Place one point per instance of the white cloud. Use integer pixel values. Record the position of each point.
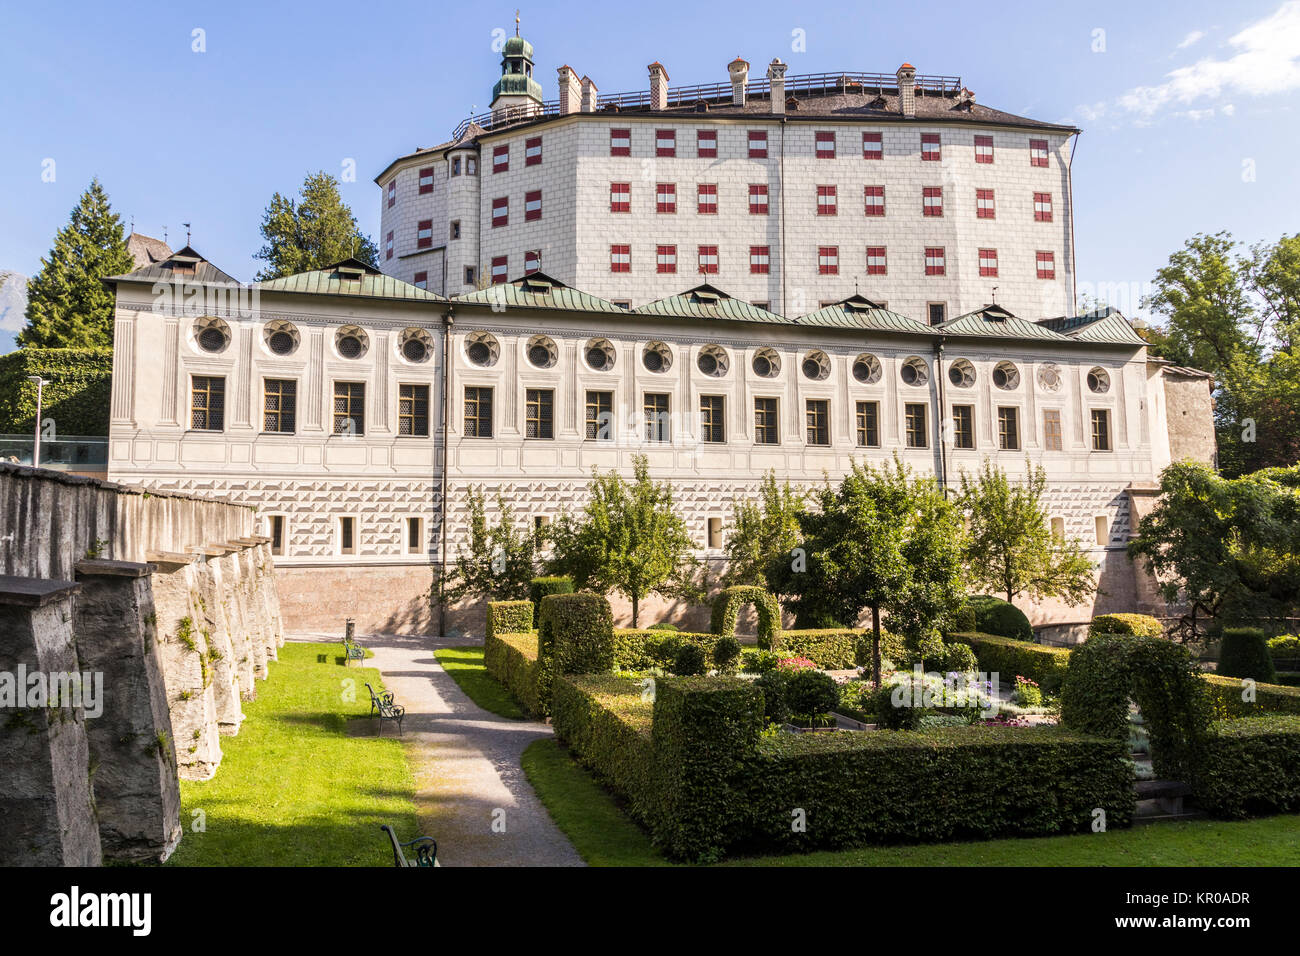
(1194, 37)
(1267, 61)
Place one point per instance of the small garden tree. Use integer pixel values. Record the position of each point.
(1010, 549)
(628, 539)
(500, 559)
(763, 532)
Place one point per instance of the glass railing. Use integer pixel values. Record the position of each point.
(67, 453)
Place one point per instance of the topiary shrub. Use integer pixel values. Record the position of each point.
(964, 619)
(1249, 765)
(1285, 651)
(995, 616)
(539, 588)
(1143, 625)
(1244, 653)
(575, 635)
(773, 684)
(726, 654)
(644, 649)
(689, 661)
(831, 650)
(761, 662)
(726, 610)
(811, 693)
(928, 650)
(1240, 697)
(509, 617)
(664, 626)
(893, 710)
(1008, 657)
(959, 658)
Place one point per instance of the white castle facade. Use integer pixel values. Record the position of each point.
(517, 351)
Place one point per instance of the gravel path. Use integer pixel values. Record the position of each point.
(471, 795)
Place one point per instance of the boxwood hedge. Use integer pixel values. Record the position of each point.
(1142, 625)
(1250, 765)
(1228, 697)
(1244, 653)
(512, 659)
(575, 635)
(643, 648)
(509, 617)
(726, 609)
(539, 588)
(996, 616)
(829, 649)
(1009, 657)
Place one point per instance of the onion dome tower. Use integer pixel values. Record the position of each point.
(516, 92)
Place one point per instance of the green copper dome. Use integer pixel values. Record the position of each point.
(517, 71)
(518, 46)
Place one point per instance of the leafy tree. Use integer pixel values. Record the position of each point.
(315, 231)
(68, 306)
(1010, 548)
(500, 560)
(1226, 548)
(628, 539)
(880, 540)
(763, 532)
(1272, 272)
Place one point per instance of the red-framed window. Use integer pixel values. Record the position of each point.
(1042, 207)
(666, 197)
(828, 260)
(500, 158)
(706, 198)
(1046, 262)
(620, 197)
(708, 259)
(424, 234)
(388, 245)
(989, 263)
(420, 280)
(426, 180)
(760, 260)
(532, 261)
(936, 263)
(930, 150)
(706, 143)
(501, 211)
(983, 149)
(984, 207)
(932, 201)
(758, 199)
(758, 144)
(499, 269)
(392, 193)
(620, 258)
(665, 142)
(825, 144)
(665, 259)
(532, 205)
(874, 199)
(533, 151)
(877, 264)
(620, 142)
(873, 146)
(827, 202)
(1038, 152)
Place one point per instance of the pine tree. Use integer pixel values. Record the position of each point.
(313, 232)
(67, 305)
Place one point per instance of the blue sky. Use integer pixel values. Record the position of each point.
(1188, 109)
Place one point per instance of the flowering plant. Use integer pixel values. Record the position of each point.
(795, 664)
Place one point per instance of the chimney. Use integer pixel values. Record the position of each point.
(739, 70)
(658, 86)
(907, 90)
(589, 92)
(776, 79)
(570, 90)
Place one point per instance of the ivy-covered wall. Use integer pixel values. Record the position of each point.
(77, 398)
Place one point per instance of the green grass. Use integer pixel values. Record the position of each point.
(605, 836)
(293, 788)
(465, 665)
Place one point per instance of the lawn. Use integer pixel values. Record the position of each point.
(294, 789)
(605, 836)
(465, 665)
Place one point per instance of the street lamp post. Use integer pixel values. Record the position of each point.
(36, 438)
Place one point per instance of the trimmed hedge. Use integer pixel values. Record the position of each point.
(1143, 625)
(605, 722)
(830, 649)
(539, 588)
(512, 660)
(638, 649)
(1244, 653)
(575, 635)
(1226, 693)
(1010, 657)
(509, 617)
(726, 609)
(995, 616)
(1250, 765)
(77, 397)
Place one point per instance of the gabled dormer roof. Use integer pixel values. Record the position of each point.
(185, 265)
(537, 290)
(350, 277)
(994, 321)
(1105, 326)
(709, 302)
(859, 312)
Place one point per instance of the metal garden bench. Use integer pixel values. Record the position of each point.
(386, 708)
(426, 849)
(352, 651)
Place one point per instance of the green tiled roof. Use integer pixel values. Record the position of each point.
(350, 277)
(859, 312)
(539, 291)
(995, 321)
(1107, 326)
(708, 302)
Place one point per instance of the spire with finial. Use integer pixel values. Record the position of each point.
(516, 23)
(187, 232)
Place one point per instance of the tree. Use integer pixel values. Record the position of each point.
(500, 560)
(880, 540)
(1010, 548)
(68, 307)
(628, 539)
(311, 233)
(763, 532)
(1226, 548)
